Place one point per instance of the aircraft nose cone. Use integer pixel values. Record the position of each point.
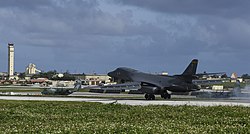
(110, 74)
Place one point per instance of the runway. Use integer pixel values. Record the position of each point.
(136, 101)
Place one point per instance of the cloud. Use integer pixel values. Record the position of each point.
(219, 30)
(28, 4)
(149, 35)
(223, 8)
(223, 22)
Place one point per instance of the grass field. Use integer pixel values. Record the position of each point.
(81, 117)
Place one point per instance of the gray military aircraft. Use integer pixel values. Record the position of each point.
(62, 91)
(152, 84)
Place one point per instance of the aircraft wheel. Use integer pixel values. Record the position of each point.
(152, 97)
(169, 96)
(166, 96)
(162, 96)
(147, 97)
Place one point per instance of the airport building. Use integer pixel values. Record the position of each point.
(93, 79)
(31, 69)
(3, 75)
(96, 79)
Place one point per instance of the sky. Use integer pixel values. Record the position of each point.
(97, 36)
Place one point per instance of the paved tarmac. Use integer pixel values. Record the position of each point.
(124, 95)
(140, 101)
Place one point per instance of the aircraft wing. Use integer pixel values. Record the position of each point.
(207, 82)
(209, 74)
(123, 86)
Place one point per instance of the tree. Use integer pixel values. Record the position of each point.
(21, 75)
(66, 77)
(47, 75)
(245, 76)
(224, 76)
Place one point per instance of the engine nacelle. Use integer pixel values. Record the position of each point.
(177, 88)
(149, 89)
(183, 88)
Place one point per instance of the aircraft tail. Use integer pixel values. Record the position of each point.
(78, 85)
(190, 71)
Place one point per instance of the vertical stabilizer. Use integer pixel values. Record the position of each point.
(78, 85)
(191, 69)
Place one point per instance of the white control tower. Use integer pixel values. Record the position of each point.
(11, 60)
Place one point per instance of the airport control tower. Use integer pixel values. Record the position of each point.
(11, 60)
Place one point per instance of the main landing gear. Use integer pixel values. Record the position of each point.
(166, 95)
(149, 96)
(152, 96)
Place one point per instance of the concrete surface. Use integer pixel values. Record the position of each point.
(142, 102)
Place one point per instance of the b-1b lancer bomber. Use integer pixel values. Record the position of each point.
(152, 84)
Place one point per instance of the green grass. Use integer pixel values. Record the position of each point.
(81, 117)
